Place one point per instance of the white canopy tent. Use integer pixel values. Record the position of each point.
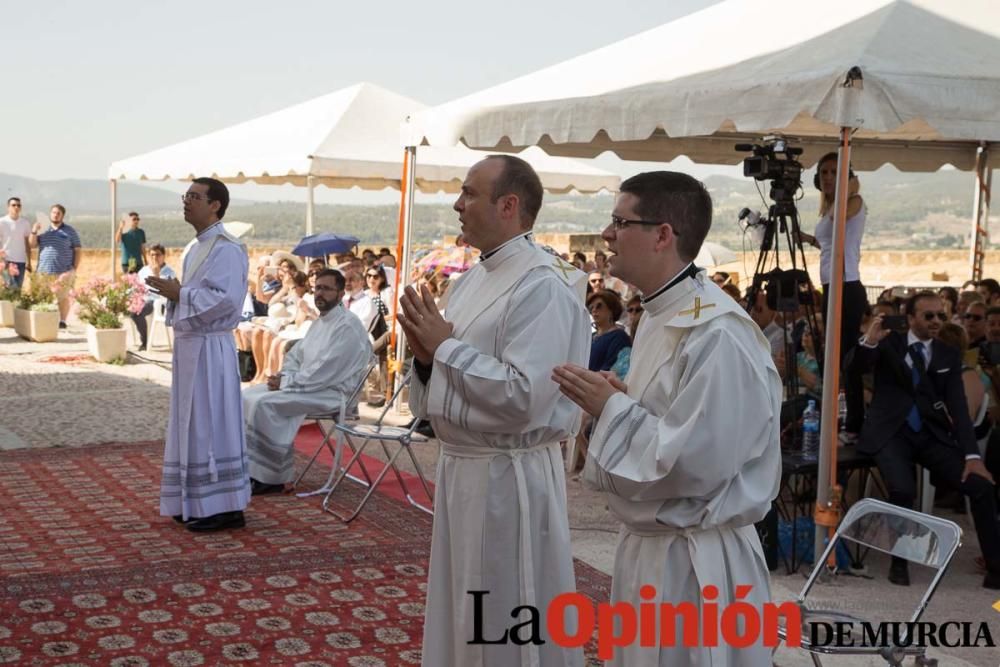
(913, 83)
(348, 138)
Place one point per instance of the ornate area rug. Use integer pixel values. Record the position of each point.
(91, 575)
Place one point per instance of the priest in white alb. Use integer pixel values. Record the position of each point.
(483, 379)
(205, 482)
(317, 375)
(686, 448)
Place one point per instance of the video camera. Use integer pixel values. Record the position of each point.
(774, 160)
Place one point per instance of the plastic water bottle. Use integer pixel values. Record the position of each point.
(810, 432)
(842, 412)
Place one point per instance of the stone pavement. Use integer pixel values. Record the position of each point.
(53, 395)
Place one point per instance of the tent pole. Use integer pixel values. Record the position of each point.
(403, 238)
(827, 512)
(114, 227)
(980, 211)
(310, 204)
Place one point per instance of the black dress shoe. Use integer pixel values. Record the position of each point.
(221, 521)
(899, 572)
(258, 488)
(376, 404)
(425, 429)
(179, 518)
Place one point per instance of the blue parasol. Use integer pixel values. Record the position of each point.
(323, 244)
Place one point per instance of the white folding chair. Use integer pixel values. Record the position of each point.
(336, 415)
(158, 320)
(382, 433)
(897, 531)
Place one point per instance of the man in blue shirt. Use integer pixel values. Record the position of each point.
(58, 255)
(158, 268)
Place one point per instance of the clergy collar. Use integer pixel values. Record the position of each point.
(486, 255)
(494, 258)
(689, 271)
(205, 232)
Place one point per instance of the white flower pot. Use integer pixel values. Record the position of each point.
(6, 314)
(106, 344)
(36, 325)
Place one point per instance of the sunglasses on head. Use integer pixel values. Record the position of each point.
(941, 315)
(975, 317)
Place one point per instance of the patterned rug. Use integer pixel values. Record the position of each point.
(91, 575)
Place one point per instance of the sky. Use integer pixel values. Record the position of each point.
(91, 82)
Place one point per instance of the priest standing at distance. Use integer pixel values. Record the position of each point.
(500, 521)
(206, 480)
(687, 448)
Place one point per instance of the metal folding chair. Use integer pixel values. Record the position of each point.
(382, 433)
(897, 531)
(337, 415)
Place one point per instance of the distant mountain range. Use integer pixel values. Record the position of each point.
(86, 196)
(904, 211)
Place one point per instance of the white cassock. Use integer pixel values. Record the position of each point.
(500, 522)
(204, 460)
(690, 459)
(321, 370)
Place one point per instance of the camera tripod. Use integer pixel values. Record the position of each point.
(788, 291)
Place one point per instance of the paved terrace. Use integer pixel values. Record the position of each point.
(51, 395)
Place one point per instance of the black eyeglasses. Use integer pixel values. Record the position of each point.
(972, 316)
(619, 223)
(634, 309)
(372, 275)
(943, 316)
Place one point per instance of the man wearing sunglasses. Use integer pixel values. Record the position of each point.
(14, 233)
(919, 414)
(974, 323)
(687, 448)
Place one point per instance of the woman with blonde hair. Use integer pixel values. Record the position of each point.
(855, 298)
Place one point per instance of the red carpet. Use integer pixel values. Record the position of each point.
(91, 575)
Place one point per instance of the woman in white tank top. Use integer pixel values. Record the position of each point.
(855, 299)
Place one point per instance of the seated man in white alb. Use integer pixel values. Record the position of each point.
(323, 368)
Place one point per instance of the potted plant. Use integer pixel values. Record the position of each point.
(8, 295)
(102, 304)
(36, 316)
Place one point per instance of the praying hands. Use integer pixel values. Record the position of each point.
(423, 324)
(587, 389)
(168, 288)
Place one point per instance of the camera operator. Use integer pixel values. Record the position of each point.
(855, 299)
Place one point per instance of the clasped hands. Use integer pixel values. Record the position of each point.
(588, 389)
(168, 288)
(423, 324)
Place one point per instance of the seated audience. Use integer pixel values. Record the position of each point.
(156, 267)
(355, 299)
(605, 308)
(634, 310)
(317, 374)
(965, 299)
(915, 376)
(989, 289)
(974, 323)
(949, 296)
(974, 380)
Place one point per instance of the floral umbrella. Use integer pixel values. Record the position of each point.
(446, 261)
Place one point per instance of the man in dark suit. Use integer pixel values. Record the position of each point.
(919, 414)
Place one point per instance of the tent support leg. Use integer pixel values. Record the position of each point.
(114, 224)
(403, 242)
(310, 204)
(981, 211)
(827, 497)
